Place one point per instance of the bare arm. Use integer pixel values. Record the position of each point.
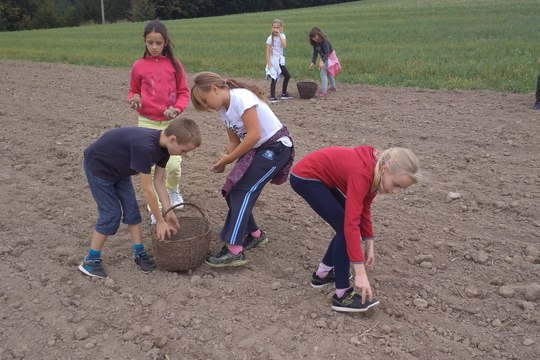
(268, 52)
(233, 142)
(163, 228)
(251, 122)
(283, 40)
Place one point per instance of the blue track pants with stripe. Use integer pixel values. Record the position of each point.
(244, 194)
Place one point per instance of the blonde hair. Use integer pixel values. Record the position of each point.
(280, 23)
(399, 160)
(203, 81)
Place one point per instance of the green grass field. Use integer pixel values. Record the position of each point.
(437, 44)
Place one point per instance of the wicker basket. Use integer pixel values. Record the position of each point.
(306, 89)
(186, 249)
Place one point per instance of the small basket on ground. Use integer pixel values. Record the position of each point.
(188, 248)
(307, 89)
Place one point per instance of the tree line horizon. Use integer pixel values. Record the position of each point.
(18, 15)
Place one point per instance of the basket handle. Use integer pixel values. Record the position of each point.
(190, 204)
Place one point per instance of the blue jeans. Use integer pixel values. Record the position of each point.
(112, 198)
(325, 78)
(329, 204)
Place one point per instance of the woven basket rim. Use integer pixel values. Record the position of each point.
(171, 241)
(203, 218)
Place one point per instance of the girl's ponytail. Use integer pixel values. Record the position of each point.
(203, 81)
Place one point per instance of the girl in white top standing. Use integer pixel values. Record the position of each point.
(275, 61)
(262, 149)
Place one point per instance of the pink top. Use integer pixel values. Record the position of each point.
(351, 171)
(154, 78)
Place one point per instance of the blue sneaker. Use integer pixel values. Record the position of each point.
(144, 262)
(93, 268)
(352, 302)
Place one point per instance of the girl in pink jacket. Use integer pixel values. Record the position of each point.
(158, 90)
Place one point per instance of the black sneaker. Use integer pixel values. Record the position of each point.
(226, 258)
(93, 268)
(251, 241)
(352, 302)
(274, 100)
(317, 282)
(286, 96)
(536, 105)
(144, 262)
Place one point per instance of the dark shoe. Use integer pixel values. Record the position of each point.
(144, 262)
(274, 100)
(317, 282)
(93, 268)
(332, 89)
(251, 242)
(286, 96)
(536, 105)
(352, 302)
(226, 258)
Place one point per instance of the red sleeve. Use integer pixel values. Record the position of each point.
(134, 82)
(182, 90)
(366, 226)
(355, 210)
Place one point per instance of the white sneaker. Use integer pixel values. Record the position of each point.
(152, 219)
(176, 198)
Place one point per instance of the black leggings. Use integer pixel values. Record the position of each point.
(286, 77)
(537, 88)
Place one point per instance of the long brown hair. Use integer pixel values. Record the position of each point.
(315, 31)
(203, 81)
(160, 28)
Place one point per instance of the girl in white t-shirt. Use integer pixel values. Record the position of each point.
(262, 148)
(275, 61)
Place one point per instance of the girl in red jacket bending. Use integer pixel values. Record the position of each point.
(158, 90)
(340, 184)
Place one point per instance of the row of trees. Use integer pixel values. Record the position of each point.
(39, 14)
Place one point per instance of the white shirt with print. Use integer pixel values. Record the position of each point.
(241, 100)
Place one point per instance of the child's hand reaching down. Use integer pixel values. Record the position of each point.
(169, 227)
(172, 221)
(219, 166)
